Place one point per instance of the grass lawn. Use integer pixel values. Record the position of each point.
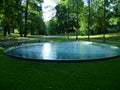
(17, 74)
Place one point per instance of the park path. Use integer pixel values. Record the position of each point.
(20, 41)
(107, 41)
(38, 39)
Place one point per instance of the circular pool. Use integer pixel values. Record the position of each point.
(64, 51)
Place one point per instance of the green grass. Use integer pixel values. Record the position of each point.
(18, 74)
(108, 36)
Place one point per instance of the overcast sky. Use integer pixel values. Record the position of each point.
(48, 8)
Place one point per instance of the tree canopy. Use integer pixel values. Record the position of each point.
(90, 15)
(26, 16)
(23, 15)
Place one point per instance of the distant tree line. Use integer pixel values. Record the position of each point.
(22, 15)
(25, 16)
(90, 16)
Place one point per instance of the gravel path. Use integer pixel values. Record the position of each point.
(18, 42)
(38, 39)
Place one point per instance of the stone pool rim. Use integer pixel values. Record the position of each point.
(61, 60)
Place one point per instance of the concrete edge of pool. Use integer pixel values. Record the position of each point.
(62, 60)
(66, 61)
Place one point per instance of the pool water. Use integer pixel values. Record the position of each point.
(64, 51)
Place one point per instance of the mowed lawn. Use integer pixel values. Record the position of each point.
(17, 74)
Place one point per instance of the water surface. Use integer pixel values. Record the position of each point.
(64, 51)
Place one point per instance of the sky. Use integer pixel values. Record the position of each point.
(48, 8)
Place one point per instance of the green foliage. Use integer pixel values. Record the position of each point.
(97, 15)
(26, 16)
(61, 16)
(21, 15)
(67, 15)
(52, 27)
(112, 9)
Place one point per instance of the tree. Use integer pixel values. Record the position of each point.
(89, 2)
(67, 15)
(52, 27)
(15, 14)
(8, 13)
(35, 20)
(33, 16)
(61, 16)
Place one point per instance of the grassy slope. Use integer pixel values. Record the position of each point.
(32, 75)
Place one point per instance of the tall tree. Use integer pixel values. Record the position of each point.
(52, 27)
(104, 17)
(89, 19)
(8, 11)
(26, 17)
(70, 10)
(19, 18)
(77, 21)
(14, 14)
(61, 16)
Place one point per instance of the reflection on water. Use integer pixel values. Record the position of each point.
(65, 51)
(46, 51)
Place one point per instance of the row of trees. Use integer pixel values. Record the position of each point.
(79, 16)
(71, 15)
(23, 15)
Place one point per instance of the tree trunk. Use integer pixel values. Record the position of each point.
(26, 16)
(5, 30)
(77, 19)
(9, 29)
(13, 29)
(67, 32)
(89, 20)
(21, 32)
(104, 16)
